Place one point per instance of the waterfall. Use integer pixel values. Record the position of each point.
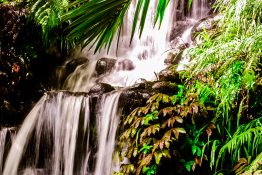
(60, 128)
(71, 132)
(107, 122)
(200, 9)
(6, 138)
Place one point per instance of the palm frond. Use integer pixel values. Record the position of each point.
(97, 22)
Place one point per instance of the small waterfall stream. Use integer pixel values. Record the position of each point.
(73, 132)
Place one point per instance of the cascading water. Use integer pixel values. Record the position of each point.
(200, 9)
(72, 132)
(6, 138)
(60, 128)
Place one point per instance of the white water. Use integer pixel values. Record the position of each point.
(60, 136)
(6, 138)
(107, 123)
(61, 121)
(147, 53)
(200, 9)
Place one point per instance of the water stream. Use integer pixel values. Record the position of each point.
(71, 132)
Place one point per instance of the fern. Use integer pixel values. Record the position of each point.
(243, 139)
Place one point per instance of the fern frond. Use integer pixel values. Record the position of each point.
(242, 139)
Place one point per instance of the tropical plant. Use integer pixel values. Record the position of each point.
(95, 22)
(229, 60)
(224, 72)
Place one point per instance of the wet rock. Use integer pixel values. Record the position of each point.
(101, 88)
(169, 74)
(131, 99)
(180, 27)
(141, 84)
(165, 87)
(104, 65)
(207, 24)
(173, 58)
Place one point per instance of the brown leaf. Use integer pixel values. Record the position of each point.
(194, 107)
(179, 119)
(176, 133)
(241, 162)
(161, 144)
(198, 161)
(137, 122)
(171, 122)
(145, 161)
(165, 111)
(209, 129)
(167, 135)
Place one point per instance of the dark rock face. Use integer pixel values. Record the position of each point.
(18, 87)
(165, 87)
(25, 65)
(105, 65)
(169, 74)
(100, 89)
(131, 99)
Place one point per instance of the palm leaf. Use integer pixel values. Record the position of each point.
(96, 21)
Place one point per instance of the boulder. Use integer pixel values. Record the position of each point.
(131, 99)
(169, 74)
(105, 65)
(101, 88)
(173, 58)
(206, 24)
(165, 87)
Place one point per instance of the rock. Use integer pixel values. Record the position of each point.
(165, 87)
(141, 84)
(131, 99)
(169, 74)
(173, 58)
(104, 65)
(206, 24)
(101, 88)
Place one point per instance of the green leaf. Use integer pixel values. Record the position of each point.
(158, 156)
(194, 149)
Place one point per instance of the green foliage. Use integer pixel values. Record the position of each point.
(210, 115)
(151, 131)
(247, 138)
(226, 68)
(47, 14)
(98, 22)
